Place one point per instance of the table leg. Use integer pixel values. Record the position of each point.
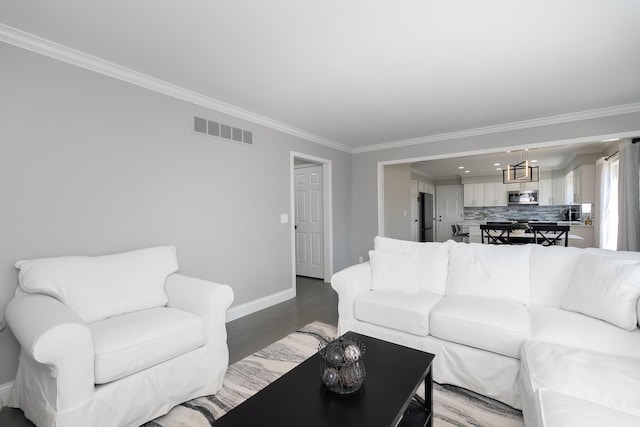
(428, 397)
(427, 402)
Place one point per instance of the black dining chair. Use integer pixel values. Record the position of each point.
(550, 235)
(496, 234)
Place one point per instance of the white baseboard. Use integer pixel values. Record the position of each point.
(259, 304)
(5, 390)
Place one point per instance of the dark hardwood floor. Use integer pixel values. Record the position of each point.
(315, 300)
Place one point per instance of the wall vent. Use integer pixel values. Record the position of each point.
(221, 130)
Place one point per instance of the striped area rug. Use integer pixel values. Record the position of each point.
(453, 406)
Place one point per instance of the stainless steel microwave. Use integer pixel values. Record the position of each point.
(522, 197)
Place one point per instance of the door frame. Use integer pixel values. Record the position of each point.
(327, 209)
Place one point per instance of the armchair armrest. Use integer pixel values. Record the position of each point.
(349, 283)
(203, 298)
(208, 300)
(51, 335)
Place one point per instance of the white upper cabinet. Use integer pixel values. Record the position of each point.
(531, 185)
(473, 195)
(485, 194)
(559, 195)
(495, 194)
(545, 192)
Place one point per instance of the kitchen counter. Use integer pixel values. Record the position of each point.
(575, 224)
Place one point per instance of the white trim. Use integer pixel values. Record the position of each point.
(5, 391)
(327, 202)
(259, 304)
(524, 124)
(75, 57)
(381, 166)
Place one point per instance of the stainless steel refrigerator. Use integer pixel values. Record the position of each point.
(426, 219)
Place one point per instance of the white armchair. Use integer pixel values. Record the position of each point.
(115, 340)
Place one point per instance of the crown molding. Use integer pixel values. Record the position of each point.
(66, 54)
(525, 124)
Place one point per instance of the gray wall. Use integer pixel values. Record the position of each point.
(397, 201)
(92, 165)
(365, 208)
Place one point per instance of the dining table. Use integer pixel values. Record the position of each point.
(503, 234)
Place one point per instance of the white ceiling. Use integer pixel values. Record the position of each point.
(365, 72)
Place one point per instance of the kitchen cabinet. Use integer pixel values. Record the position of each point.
(584, 184)
(545, 192)
(485, 194)
(495, 194)
(473, 195)
(514, 186)
(559, 196)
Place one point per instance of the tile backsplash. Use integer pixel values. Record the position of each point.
(506, 213)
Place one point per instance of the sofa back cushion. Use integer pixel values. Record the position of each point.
(393, 272)
(551, 270)
(628, 255)
(388, 244)
(430, 263)
(493, 271)
(605, 287)
(103, 286)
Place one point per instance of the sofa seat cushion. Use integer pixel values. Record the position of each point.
(577, 330)
(496, 325)
(561, 410)
(604, 379)
(132, 342)
(396, 310)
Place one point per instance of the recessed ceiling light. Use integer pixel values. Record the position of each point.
(460, 167)
(534, 161)
(611, 140)
(467, 171)
(496, 164)
(498, 169)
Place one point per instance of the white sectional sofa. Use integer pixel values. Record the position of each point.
(549, 330)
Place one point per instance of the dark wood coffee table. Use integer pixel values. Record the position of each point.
(387, 397)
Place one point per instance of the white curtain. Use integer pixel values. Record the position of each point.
(607, 223)
(629, 197)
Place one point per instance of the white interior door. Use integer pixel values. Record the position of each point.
(309, 222)
(449, 210)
